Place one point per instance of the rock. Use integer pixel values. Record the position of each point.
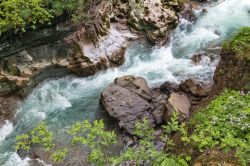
(233, 71)
(196, 88)
(179, 103)
(169, 87)
(216, 157)
(159, 101)
(188, 13)
(128, 100)
(137, 85)
(24, 69)
(153, 18)
(7, 106)
(204, 57)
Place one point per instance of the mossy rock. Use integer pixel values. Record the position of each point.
(239, 44)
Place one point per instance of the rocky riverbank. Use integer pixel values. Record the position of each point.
(58, 50)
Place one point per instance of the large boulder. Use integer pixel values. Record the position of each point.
(128, 100)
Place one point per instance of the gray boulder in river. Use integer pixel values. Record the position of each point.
(128, 100)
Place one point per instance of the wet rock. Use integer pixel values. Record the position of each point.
(188, 13)
(128, 100)
(179, 103)
(204, 57)
(196, 88)
(7, 106)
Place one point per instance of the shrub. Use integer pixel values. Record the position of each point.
(146, 151)
(241, 40)
(59, 155)
(38, 136)
(96, 138)
(225, 123)
(17, 14)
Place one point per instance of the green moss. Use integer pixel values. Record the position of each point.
(241, 41)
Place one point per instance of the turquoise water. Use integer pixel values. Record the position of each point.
(61, 102)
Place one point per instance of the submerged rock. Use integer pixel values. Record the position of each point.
(128, 100)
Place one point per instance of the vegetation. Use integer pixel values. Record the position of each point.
(146, 151)
(59, 155)
(38, 136)
(96, 138)
(17, 14)
(241, 40)
(21, 14)
(225, 123)
(239, 44)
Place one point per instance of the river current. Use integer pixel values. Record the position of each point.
(63, 101)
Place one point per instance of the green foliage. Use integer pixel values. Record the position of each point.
(173, 124)
(96, 138)
(23, 142)
(241, 40)
(146, 151)
(59, 6)
(17, 14)
(142, 130)
(40, 136)
(225, 123)
(59, 155)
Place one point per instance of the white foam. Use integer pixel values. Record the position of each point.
(5, 130)
(15, 160)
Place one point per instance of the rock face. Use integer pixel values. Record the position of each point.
(177, 103)
(24, 66)
(233, 71)
(128, 100)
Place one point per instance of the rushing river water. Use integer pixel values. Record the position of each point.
(62, 102)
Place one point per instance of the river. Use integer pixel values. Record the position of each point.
(63, 101)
